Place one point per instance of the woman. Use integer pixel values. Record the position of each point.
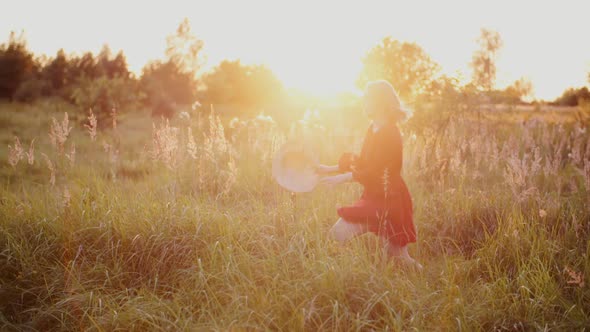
(385, 207)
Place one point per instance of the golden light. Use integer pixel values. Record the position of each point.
(317, 46)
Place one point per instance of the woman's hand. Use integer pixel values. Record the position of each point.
(336, 179)
(325, 169)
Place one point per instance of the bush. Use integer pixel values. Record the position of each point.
(232, 82)
(572, 97)
(32, 89)
(166, 83)
(103, 94)
(16, 65)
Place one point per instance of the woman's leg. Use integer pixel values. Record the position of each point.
(343, 230)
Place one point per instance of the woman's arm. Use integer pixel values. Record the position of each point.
(344, 164)
(336, 179)
(325, 169)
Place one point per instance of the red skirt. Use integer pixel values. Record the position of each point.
(390, 217)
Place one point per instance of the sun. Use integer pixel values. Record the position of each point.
(319, 81)
(319, 77)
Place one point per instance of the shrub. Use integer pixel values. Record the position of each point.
(103, 94)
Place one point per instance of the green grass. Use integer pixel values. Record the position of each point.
(154, 248)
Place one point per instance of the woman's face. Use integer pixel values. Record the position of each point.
(372, 106)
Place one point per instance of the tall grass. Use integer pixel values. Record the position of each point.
(179, 226)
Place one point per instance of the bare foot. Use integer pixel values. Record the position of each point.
(410, 262)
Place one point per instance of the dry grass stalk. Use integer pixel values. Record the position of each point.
(217, 142)
(59, 132)
(165, 142)
(113, 157)
(231, 176)
(114, 117)
(91, 126)
(586, 174)
(15, 152)
(191, 146)
(71, 156)
(66, 198)
(31, 153)
(51, 168)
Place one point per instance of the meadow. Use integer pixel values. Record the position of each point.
(141, 224)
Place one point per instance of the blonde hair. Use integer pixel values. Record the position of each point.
(385, 92)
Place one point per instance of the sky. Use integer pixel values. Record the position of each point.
(317, 46)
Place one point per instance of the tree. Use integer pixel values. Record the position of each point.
(520, 89)
(84, 67)
(103, 94)
(165, 80)
(110, 66)
(102, 83)
(174, 81)
(405, 65)
(483, 62)
(56, 72)
(118, 66)
(184, 48)
(247, 85)
(573, 97)
(16, 65)
(262, 86)
(224, 82)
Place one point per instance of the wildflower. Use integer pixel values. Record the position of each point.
(542, 213)
(233, 123)
(576, 278)
(184, 116)
(261, 118)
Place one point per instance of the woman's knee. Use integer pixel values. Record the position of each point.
(344, 230)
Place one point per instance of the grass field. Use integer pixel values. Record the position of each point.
(153, 228)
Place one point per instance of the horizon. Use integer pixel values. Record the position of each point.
(291, 40)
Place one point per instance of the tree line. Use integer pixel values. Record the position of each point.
(103, 81)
